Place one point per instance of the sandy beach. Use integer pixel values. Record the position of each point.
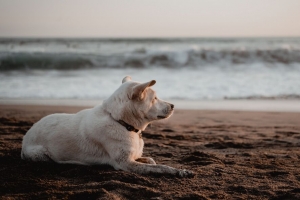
(234, 154)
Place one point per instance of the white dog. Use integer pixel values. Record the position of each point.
(106, 134)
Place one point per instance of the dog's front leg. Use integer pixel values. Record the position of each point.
(123, 159)
(143, 168)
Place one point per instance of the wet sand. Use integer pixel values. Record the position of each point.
(234, 154)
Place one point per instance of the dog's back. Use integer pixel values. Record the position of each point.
(53, 133)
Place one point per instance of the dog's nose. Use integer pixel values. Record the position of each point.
(172, 106)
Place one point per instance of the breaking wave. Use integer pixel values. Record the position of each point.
(59, 54)
(142, 59)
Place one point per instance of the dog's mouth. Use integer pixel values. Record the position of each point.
(161, 117)
(165, 116)
(166, 113)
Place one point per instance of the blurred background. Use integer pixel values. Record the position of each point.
(195, 49)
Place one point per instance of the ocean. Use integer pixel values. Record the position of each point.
(184, 68)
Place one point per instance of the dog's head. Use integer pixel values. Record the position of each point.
(137, 104)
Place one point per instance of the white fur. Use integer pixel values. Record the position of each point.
(94, 136)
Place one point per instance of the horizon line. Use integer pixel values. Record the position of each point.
(140, 37)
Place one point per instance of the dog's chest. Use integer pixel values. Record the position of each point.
(138, 145)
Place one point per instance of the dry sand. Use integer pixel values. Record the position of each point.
(235, 155)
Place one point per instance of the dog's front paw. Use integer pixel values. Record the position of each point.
(146, 160)
(151, 161)
(183, 173)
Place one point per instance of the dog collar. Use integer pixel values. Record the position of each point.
(128, 127)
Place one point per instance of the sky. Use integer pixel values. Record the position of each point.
(149, 18)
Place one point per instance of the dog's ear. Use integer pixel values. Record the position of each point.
(126, 78)
(138, 90)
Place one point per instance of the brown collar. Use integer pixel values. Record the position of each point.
(128, 127)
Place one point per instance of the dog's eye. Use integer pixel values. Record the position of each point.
(155, 98)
